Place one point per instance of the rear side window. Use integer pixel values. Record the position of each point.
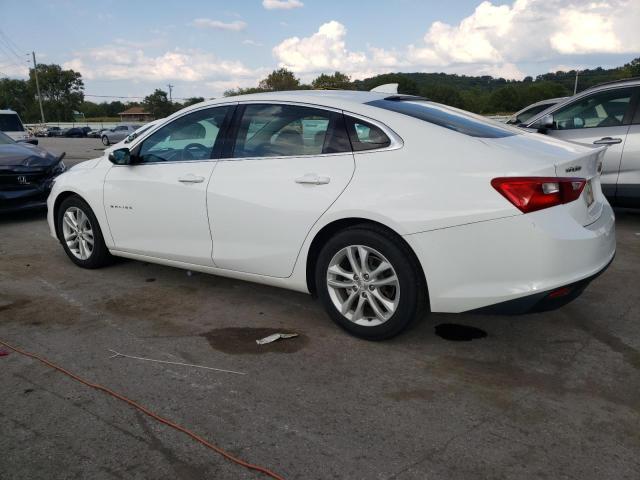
(447, 117)
(10, 122)
(365, 136)
(276, 130)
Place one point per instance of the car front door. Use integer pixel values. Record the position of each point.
(156, 206)
(628, 191)
(285, 166)
(601, 118)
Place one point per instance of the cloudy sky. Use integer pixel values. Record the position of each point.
(127, 48)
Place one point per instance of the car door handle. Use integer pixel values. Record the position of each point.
(607, 141)
(313, 179)
(191, 179)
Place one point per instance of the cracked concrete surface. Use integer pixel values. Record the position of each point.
(545, 396)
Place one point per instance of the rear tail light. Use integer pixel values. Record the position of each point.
(529, 194)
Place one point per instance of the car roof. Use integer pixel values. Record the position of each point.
(624, 82)
(328, 98)
(7, 111)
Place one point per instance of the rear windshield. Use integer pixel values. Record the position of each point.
(9, 122)
(447, 117)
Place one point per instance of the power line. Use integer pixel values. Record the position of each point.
(11, 43)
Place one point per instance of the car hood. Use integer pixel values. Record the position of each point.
(25, 155)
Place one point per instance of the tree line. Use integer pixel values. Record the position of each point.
(62, 90)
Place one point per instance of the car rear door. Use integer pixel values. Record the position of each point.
(157, 206)
(284, 166)
(599, 119)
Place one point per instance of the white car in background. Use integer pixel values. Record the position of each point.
(11, 125)
(117, 134)
(521, 116)
(135, 134)
(604, 115)
(380, 204)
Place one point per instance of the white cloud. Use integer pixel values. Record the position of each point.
(324, 51)
(281, 4)
(115, 62)
(532, 30)
(234, 26)
(493, 40)
(252, 43)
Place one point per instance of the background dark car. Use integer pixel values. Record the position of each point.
(26, 174)
(75, 132)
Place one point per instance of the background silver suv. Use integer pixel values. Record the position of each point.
(117, 134)
(607, 114)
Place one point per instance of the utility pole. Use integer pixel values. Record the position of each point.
(170, 89)
(575, 85)
(35, 72)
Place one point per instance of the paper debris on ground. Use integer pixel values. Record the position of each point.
(3, 353)
(275, 336)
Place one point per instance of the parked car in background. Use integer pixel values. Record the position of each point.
(26, 174)
(117, 134)
(53, 132)
(76, 132)
(11, 125)
(136, 134)
(97, 133)
(604, 115)
(528, 112)
(381, 204)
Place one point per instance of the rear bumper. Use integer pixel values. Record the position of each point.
(543, 301)
(524, 257)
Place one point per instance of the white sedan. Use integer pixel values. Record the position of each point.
(381, 205)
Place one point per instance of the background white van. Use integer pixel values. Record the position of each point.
(11, 125)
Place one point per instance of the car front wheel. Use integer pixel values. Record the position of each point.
(105, 141)
(369, 282)
(80, 234)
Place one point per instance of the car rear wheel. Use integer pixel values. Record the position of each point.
(80, 234)
(105, 141)
(369, 282)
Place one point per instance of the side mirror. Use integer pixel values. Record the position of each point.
(121, 156)
(546, 123)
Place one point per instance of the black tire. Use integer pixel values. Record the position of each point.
(100, 255)
(105, 141)
(413, 298)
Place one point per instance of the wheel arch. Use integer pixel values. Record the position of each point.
(330, 229)
(62, 196)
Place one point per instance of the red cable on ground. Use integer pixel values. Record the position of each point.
(148, 412)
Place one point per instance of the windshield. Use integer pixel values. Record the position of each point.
(9, 122)
(455, 119)
(5, 139)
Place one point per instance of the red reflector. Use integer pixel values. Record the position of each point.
(529, 194)
(561, 292)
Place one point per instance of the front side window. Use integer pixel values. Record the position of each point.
(602, 109)
(269, 130)
(191, 137)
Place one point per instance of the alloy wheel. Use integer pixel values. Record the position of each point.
(78, 233)
(363, 285)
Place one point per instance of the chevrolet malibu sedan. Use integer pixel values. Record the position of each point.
(381, 205)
